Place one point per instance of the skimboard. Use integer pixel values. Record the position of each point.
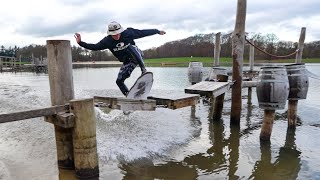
(141, 87)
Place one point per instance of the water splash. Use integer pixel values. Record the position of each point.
(140, 134)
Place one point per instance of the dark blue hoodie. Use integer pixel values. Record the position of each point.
(119, 47)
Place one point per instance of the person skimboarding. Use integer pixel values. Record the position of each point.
(121, 43)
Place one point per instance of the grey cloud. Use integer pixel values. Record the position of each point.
(38, 27)
(197, 15)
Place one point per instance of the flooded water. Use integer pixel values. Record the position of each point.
(164, 144)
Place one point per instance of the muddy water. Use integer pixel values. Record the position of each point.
(165, 144)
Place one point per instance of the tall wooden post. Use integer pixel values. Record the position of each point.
(61, 90)
(84, 138)
(267, 125)
(217, 48)
(300, 45)
(1, 64)
(237, 57)
(292, 113)
(251, 57)
(251, 64)
(218, 103)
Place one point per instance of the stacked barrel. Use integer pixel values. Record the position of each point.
(276, 85)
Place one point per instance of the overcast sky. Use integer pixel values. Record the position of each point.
(35, 21)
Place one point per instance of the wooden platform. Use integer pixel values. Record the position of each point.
(176, 101)
(125, 104)
(168, 101)
(209, 88)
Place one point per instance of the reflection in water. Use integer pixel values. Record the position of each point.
(287, 164)
(234, 143)
(144, 169)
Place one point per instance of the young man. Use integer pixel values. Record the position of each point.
(120, 43)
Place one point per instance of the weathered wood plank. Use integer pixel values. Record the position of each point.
(177, 101)
(61, 119)
(249, 84)
(208, 88)
(127, 104)
(16, 116)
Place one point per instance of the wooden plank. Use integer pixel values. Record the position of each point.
(127, 104)
(61, 119)
(176, 101)
(249, 84)
(208, 88)
(16, 116)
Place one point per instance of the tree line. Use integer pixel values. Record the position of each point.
(200, 45)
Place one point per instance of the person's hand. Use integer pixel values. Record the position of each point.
(162, 32)
(78, 37)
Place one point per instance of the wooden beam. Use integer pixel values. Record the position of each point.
(249, 84)
(61, 119)
(176, 102)
(127, 104)
(16, 116)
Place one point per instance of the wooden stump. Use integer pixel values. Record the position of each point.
(267, 125)
(292, 113)
(84, 138)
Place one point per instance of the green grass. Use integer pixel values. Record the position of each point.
(183, 61)
(208, 61)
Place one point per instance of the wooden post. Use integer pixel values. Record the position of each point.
(218, 103)
(61, 91)
(292, 113)
(84, 138)
(1, 64)
(251, 64)
(249, 102)
(237, 56)
(193, 112)
(251, 57)
(267, 125)
(217, 48)
(300, 45)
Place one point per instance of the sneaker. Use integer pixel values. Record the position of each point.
(143, 71)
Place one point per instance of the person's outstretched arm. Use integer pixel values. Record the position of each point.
(98, 46)
(136, 33)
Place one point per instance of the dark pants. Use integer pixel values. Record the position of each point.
(134, 59)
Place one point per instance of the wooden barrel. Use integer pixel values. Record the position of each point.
(298, 81)
(195, 72)
(272, 87)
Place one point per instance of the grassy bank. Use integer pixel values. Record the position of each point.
(208, 61)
